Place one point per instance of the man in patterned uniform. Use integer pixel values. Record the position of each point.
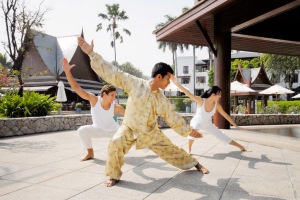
(145, 103)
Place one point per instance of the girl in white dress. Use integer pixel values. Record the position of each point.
(207, 105)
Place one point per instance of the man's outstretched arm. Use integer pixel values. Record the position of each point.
(107, 71)
(174, 120)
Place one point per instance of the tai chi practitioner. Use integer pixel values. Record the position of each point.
(145, 103)
(103, 109)
(207, 105)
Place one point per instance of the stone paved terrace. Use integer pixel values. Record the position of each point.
(47, 166)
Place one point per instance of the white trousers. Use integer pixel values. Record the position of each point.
(212, 129)
(87, 132)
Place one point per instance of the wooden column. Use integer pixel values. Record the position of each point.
(249, 101)
(235, 104)
(222, 71)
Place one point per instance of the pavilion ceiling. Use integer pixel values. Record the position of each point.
(255, 25)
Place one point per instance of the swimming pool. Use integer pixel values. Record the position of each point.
(292, 131)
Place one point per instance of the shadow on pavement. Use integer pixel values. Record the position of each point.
(239, 155)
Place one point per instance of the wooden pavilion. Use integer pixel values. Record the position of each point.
(42, 68)
(256, 79)
(246, 25)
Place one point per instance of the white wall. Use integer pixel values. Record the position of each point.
(186, 61)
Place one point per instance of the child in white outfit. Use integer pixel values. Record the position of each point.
(102, 110)
(207, 105)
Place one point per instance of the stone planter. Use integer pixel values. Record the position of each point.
(33, 125)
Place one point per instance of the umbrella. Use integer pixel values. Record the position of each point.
(296, 96)
(276, 89)
(61, 93)
(236, 86)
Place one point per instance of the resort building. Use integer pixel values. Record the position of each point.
(42, 68)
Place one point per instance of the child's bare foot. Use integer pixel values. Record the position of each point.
(246, 149)
(87, 157)
(202, 169)
(111, 182)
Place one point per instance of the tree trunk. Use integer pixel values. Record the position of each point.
(194, 68)
(210, 59)
(115, 46)
(176, 67)
(18, 66)
(173, 58)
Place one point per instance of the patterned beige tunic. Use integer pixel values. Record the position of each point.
(140, 120)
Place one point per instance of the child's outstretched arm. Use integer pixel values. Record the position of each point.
(185, 91)
(226, 116)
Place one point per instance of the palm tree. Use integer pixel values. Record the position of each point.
(172, 46)
(113, 16)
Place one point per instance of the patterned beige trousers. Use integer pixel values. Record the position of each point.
(123, 140)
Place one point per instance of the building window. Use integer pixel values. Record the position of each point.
(185, 80)
(296, 78)
(200, 79)
(185, 69)
(199, 92)
(201, 68)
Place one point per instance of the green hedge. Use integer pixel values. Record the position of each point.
(32, 104)
(280, 106)
(179, 105)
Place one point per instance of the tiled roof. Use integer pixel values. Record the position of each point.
(46, 45)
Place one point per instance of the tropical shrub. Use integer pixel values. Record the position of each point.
(283, 106)
(271, 109)
(32, 104)
(178, 104)
(293, 109)
(7, 77)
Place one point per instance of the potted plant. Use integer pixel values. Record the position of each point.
(58, 107)
(188, 103)
(78, 107)
(241, 109)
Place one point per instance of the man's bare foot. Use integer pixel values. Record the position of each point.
(111, 182)
(87, 157)
(202, 169)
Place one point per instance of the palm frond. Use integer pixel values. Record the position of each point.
(103, 16)
(127, 31)
(99, 27)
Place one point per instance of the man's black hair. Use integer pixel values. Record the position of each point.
(162, 69)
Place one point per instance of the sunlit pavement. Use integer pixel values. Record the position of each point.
(47, 166)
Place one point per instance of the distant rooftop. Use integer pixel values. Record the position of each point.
(242, 54)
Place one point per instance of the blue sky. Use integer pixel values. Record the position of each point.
(141, 49)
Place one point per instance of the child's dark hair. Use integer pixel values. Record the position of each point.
(213, 90)
(162, 69)
(107, 89)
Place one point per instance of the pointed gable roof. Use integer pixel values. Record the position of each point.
(255, 78)
(46, 54)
